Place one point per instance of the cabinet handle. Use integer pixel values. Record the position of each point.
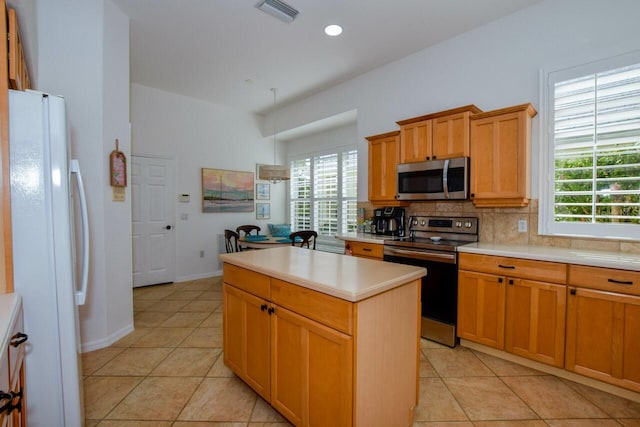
(572, 291)
(263, 307)
(366, 249)
(434, 157)
(499, 279)
(7, 406)
(511, 281)
(18, 339)
(510, 267)
(18, 404)
(271, 310)
(473, 195)
(621, 282)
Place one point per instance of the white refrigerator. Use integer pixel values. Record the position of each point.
(46, 190)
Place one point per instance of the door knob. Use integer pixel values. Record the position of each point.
(168, 227)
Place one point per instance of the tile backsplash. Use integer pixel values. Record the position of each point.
(500, 225)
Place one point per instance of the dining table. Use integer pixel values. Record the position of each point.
(263, 241)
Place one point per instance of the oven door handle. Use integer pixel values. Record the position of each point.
(449, 258)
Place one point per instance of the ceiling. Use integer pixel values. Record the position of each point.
(230, 53)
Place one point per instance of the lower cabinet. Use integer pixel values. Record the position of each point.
(513, 312)
(603, 326)
(12, 380)
(316, 358)
(280, 353)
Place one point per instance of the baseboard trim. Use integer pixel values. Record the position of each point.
(199, 276)
(609, 388)
(106, 342)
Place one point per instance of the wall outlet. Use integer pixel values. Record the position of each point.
(201, 254)
(522, 226)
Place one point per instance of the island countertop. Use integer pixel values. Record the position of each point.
(346, 277)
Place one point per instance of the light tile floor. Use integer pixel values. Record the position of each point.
(169, 372)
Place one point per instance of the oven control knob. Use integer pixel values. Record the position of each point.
(415, 222)
(423, 222)
(458, 224)
(467, 224)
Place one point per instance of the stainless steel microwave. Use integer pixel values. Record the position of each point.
(434, 180)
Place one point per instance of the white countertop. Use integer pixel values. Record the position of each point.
(619, 260)
(363, 237)
(346, 277)
(9, 307)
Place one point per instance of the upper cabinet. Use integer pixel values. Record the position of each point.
(18, 73)
(500, 157)
(383, 158)
(441, 135)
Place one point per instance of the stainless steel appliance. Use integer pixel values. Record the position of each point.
(434, 180)
(433, 242)
(389, 221)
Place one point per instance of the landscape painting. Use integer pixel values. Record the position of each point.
(227, 191)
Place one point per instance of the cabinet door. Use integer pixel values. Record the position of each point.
(500, 149)
(603, 336)
(535, 320)
(383, 158)
(246, 338)
(312, 371)
(451, 136)
(415, 142)
(481, 308)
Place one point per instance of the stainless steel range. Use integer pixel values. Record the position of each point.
(432, 242)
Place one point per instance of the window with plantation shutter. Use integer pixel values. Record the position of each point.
(593, 181)
(323, 192)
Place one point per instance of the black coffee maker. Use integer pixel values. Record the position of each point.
(388, 221)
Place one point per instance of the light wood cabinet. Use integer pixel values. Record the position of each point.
(247, 338)
(12, 377)
(505, 304)
(416, 141)
(366, 250)
(500, 157)
(441, 135)
(603, 327)
(313, 356)
(384, 150)
(312, 371)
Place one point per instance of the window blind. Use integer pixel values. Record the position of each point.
(597, 147)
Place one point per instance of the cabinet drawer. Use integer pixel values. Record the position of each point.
(250, 281)
(515, 267)
(605, 279)
(369, 250)
(331, 311)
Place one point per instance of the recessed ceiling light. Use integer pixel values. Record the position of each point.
(333, 30)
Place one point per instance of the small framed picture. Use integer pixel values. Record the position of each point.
(263, 191)
(263, 211)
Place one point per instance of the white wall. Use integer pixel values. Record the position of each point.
(494, 66)
(197, 134)
(83, 55)
(318, 142)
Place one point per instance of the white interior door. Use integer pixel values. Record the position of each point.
(153, 220)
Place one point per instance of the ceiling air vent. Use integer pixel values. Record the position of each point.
(278, 9)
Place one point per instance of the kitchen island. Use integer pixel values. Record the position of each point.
(326, 339)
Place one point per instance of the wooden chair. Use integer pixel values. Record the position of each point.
(307, 236)
(246, 229)
(231, 241)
